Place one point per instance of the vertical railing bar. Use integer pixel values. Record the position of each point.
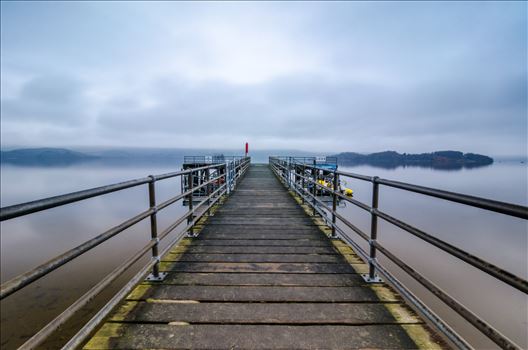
(289, 172)
(156, 275)
(372, 277)
(334, 203)
(302, 179)
(208, 190)
(314, 187)
(153, 225)
(190, 204)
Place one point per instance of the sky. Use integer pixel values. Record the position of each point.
(315, 76)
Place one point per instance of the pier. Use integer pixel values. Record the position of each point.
(261, 261)
(261, 274)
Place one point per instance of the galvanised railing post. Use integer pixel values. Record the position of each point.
(232, 175)
(314, 187)
(372, 277)
(334, 203)
(208, 190)
(289, 172)
(302, 181)
(228, 177)
(190, 218)
(155, 275)
(285, 171)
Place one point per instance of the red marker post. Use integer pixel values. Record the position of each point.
(247, 149)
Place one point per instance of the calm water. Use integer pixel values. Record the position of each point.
(29, 241)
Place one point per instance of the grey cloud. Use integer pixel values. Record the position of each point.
(49, 100)
(300, 108)
(404, 76)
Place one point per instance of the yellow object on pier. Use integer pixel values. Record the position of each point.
(346, 191)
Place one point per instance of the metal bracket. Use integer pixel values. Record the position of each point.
(376, 279)
(152, 278)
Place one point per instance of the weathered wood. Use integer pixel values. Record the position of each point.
(255, 258)
(264, 279)
(262, 275)
(257, 267)
(256, 249)
(178, 336)
(262, 242)
(259, 229)
(261, 221)
(271, 235)
(258, 293)
(269, 313)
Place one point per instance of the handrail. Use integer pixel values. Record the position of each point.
(289, 172)
(474, 201)
(22, 209)
(231, 171)
(481, 264)
(20, 281)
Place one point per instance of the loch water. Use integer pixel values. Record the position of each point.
(31, 240)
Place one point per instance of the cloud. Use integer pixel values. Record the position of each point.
(47, 99)
(317, 76)
(298, 109)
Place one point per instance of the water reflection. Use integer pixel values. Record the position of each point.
(497, 238)
(29, 241)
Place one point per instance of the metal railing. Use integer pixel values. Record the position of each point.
(214, 159)
(302, 179)
(230, 172)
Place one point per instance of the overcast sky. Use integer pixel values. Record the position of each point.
(343, 76)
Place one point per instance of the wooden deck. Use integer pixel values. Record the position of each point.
(263, 274)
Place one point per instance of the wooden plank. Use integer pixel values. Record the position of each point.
(256, 267)
(261, 274)
(257, 294)
(261, 242)
(244, 214)
(253, 313)
(258, 221)
(181, 336)
(262, 211)
(265, 279)
(260, 229)
(262, 235)
(261, 205)
(256, 258)
(256, 249)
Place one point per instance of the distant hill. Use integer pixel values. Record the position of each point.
(43, 156)
(127, 156)
(439, 159)
(123, 156)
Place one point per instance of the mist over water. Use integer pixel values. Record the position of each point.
(29, 241)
